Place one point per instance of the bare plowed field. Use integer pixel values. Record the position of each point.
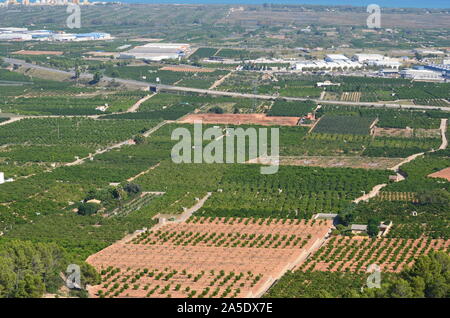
(206, 257)
(444, 173)
(26, 52)
(356, 254)
(241, 119)
(339, 162)
(397, 196)
(186, 69)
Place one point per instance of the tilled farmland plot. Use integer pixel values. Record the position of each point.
(241, 119)
(356, 254)
(206, 258)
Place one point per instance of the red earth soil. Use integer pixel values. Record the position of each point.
(241, 119)
(177, 259)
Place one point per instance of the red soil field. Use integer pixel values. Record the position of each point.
(212, 257)
(444, 173)
(186, 69)
(26, 52)
(241, 119)
(356, 254)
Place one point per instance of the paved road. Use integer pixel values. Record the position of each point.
(220, 93)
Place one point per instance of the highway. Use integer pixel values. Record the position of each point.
(221, 93)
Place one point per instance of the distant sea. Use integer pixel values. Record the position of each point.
(434, 4)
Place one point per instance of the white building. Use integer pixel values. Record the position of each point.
(389, 63)
(13, 30)
(157, 51)
(428, 52)
(324, 65)
(15, 37)
(63, 37)
(361, 58)
(327, 83)
(424, 75)
(336, 58)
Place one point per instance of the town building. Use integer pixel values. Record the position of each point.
(157, 51)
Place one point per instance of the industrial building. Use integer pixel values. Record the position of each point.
(388, 63)
(421, 75)
(157, 51)
(377, 60)
(336, 58)
(23, 34)
(325, 65)
(361, 58)
(444, 69)
(428, 52)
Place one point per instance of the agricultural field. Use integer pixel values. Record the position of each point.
(238, 54)
(90, 175)
(294, 192)
(241, 119)
(397, 196)
(203, 52)
(205, 257)
(166, 101)
(317, 284)
(293, 109)
(71, 105)
(389, 118)
(70, 131)
(356, 254)
(169, 77)
(330, 124)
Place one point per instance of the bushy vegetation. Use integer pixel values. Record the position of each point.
(28, 270)
(430, 220)
(428, 278)
(293, 192)
(300, 284)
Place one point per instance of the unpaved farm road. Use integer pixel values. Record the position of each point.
(146, 85)
(376, 189)
(115, 146)
(136, 106)
(133, 108)
(221, 80)
(443, 129)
